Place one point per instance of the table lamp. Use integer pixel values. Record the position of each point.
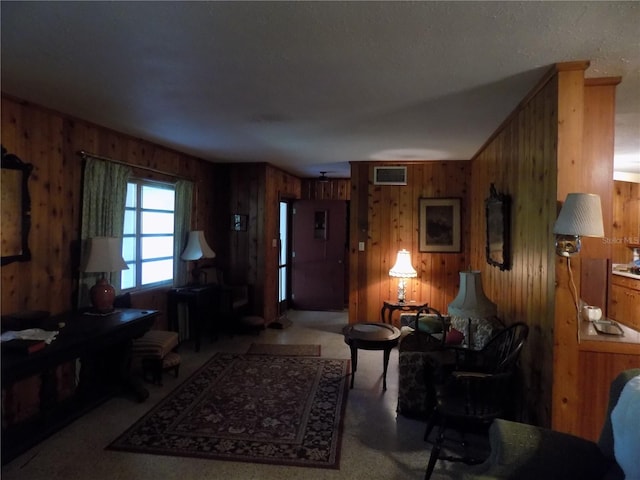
(402, 269)
(197, 248)
(105, 256)
(471, 302)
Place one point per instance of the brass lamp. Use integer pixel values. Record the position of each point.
(105, 256)
(402, 269)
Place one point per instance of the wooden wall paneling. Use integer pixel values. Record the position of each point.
(334, 189)
(358, 228)
(50, 141)
(566, 401)
(14, 139)
(391, 223)
(625, 220)
(597, 175)
(517, 161)
(598, 370)
(378, 286)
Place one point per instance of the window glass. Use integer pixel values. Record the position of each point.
(156, 222)
(155, 198)
(156, 247)
(131, 195)
(129, 249)
(147, 244)
(157, 271)
(129, 222)
(128, 278)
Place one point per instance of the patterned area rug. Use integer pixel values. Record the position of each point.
(250, 408)
(284, 350)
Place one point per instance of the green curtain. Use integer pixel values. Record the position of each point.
(103, 202)
(181, 227)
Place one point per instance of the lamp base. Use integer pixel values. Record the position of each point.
(567, 245)
(401, 291)
(102, 296)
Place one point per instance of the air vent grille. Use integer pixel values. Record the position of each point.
(390, 175)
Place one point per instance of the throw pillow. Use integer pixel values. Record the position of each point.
(454, 337)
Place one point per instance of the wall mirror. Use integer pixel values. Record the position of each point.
(16, 208)
(498, 217)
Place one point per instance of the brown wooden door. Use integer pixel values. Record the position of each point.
(318, 254)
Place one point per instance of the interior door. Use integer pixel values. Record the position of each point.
(319, 246)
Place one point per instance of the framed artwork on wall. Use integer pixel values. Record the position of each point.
(439, 220)
(498, 217)
(239, 222)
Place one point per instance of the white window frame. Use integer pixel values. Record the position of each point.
(138, 235)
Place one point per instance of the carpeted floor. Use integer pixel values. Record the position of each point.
(256, 408)
(284, 349)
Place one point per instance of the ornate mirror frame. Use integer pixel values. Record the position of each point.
(16, 209)
(498, 217)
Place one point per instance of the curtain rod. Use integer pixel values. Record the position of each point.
(150, 169)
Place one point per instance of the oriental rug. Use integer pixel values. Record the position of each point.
(250, 408)
(286, 350)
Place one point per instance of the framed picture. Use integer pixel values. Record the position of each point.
(439, 225)
(498, 213)
(239, 222)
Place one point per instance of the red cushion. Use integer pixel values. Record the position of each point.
(454, 337)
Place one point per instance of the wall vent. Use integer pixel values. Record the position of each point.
(389, 175)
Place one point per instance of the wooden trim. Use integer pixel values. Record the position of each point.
(602, 81)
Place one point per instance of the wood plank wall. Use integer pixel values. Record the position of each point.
(385, 218)
(585, 146)
(334, 189)
(50, 141)
(520, 161)
(255, 190)
(626, 220)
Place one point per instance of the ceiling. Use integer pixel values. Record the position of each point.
(311, 86)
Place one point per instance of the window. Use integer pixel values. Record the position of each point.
(147, 244)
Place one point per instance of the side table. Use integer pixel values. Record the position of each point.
(371, 336)
(200, 300)
(390, 306)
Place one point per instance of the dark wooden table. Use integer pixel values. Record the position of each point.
(371, 336)
(201, 301)
(103, 345)
(390, 306)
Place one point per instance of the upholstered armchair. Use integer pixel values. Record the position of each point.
(526, 452)
(423, 332)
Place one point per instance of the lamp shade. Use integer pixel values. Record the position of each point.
(403, 267)
(105, 255)
(197, 247)
(581, 215)
(471, 301)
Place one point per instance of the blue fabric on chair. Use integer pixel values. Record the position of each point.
(526, 452)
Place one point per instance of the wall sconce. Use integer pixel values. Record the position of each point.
(402, 269)
(105, 256)
(580, 216)
(197, 248)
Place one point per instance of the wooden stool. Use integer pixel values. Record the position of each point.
(155, 348)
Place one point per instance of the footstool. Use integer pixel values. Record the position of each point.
(155, 349)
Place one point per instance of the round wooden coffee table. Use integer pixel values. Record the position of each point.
(370, 336)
